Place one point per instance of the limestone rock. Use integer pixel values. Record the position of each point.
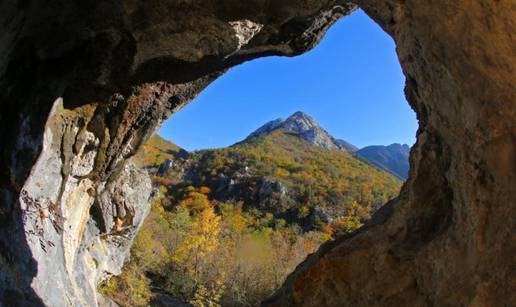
(307, 128)
(346, 146)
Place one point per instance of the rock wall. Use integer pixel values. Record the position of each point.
(84, 83)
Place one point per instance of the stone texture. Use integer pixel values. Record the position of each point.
(270, 192)
(89, 81)
(75, 248)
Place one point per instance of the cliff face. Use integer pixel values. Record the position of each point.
(84, 83)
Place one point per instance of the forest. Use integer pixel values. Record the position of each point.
(228, 225)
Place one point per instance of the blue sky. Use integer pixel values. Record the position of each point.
(351, 84)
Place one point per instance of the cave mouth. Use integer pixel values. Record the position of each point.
(441, 242)
(235, 206)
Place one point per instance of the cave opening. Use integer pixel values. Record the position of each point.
(223, 227)
(124, 67)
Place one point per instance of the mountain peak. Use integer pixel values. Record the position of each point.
(300, 115)
(301, 121)
(307, 128)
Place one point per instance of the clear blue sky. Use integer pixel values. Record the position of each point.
(351, 84)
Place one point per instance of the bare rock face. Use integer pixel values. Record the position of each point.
(307, 128)
(78, 229)
(84, 83)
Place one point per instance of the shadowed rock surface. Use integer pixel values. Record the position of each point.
(84, 83)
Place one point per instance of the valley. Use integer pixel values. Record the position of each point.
(228, 225)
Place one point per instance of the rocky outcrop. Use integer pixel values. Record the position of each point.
(83, 84)
(77, 228)
(165, 167)
(307, 128)
(346, 146)
(270, 193)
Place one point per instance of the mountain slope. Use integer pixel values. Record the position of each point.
(157, 150)
(393, 158)
(285, 175)
(293, 169)
(230, 224)
(308, 129)
(347, 146)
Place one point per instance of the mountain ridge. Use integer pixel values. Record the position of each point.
(308, 129)
(276, 193)
(271, 163)
(392, 158)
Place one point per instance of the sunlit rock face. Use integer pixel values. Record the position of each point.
(307, 128)
(84, 84)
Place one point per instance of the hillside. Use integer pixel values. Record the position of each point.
(393, 158)
(230, 224)
(157, 150)
(290, 178)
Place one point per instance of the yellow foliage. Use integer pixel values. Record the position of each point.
(196, 201)
(202, 238)
(156, 150)
(204, 190)
(210, 253)
(208, 296)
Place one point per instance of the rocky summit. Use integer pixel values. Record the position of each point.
(307, 128)
(393, 158)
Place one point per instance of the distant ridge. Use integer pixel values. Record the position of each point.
(393, 158)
